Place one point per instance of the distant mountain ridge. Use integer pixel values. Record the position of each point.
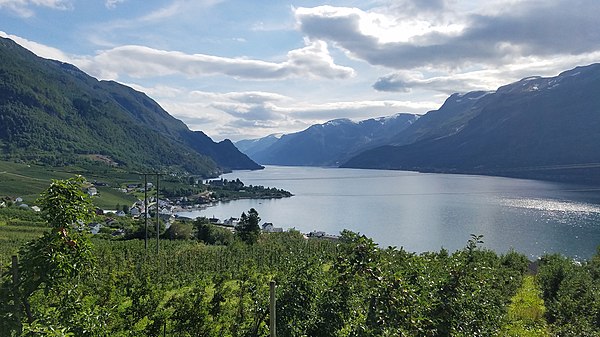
(252, 146)
(52, 112)
(537, 127)
(327, 144)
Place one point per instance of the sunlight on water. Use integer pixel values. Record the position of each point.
(424, 212)
(552, 205)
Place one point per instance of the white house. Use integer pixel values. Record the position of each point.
(92, 191)
(268, 227)
(231, 222)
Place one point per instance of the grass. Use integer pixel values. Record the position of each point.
(28, 181)
(526, 312)
(109, 197)
(13, 236)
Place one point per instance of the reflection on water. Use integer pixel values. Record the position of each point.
(424, 212)
(552, 205)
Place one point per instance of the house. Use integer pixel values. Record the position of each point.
(121, 213)
(135, 211)
(316, 234)
(2, 204)
(322, 235)
(118, 232)
(214, 220)
(92, 191)
(36, 208)
(268, 227)
(19, 199)
(216, 183)
(166, 210)
(94, 227)
(231, 222)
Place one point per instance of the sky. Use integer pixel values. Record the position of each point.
(245, 69)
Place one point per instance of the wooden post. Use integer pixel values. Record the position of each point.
(15, 270)
(272, 310)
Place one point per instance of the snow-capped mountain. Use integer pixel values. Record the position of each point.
(326, 144)
(537, 127)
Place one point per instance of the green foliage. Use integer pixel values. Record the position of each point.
(571, 292)
(179, 231)
(43, 300)
(211, 234)
(235, 189)
(346, 288)
(248, 229)
(139, 229)
(64, 203)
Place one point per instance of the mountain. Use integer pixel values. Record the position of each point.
(53, 113)
(546, 128)
(330, 143)
(252, 146)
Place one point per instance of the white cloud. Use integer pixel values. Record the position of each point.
(412, 52)
(112, 4)
(483, 36)
(322, 112)
(139, 61)
(482, 78)
(250, 114)
(163, 12)
(40, 49)
(23, 8)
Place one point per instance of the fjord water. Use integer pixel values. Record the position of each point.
(425, 212)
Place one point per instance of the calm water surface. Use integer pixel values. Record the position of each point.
(425, 212)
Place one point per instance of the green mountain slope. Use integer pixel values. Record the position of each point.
(53, 113)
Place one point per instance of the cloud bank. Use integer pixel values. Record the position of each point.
(312, 61)
(24, 8)
(531, 29)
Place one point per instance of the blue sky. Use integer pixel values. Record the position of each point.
(246, 69)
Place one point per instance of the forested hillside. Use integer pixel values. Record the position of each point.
(53, 113)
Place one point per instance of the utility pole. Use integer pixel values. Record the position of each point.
(157, 211)
(145, 211)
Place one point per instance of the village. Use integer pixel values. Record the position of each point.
(121, 221)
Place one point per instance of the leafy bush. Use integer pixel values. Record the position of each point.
(179, 231)
(571, 291)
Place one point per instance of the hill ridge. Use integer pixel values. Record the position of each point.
(51, 112)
